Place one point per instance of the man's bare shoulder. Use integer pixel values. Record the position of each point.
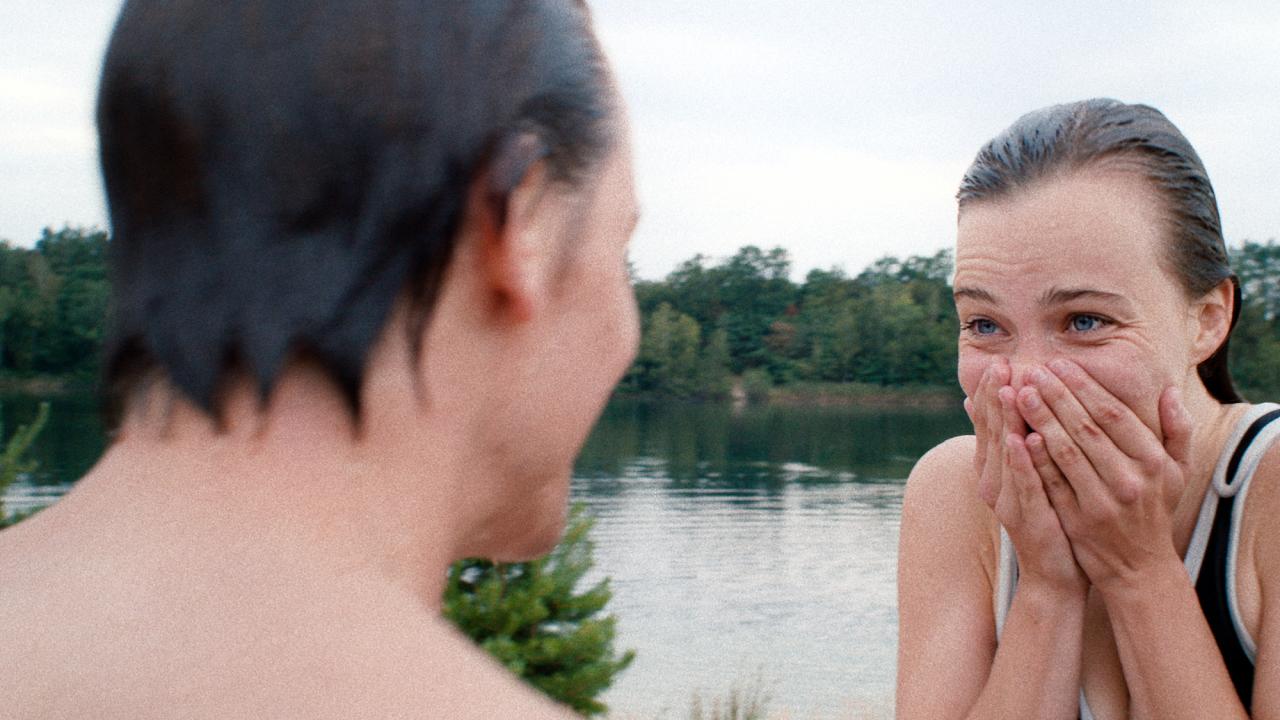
(319, 653)
(478, 687)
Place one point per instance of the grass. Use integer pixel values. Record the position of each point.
(740, 703)
(752, 700)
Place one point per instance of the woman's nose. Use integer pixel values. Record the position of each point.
(1023, 362)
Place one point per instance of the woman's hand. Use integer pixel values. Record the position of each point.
(1009, 483)
(1112, 481)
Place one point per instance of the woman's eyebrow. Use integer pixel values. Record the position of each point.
(1055, 296)
(974, 294)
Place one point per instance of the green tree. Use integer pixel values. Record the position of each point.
(1258, 267)
(714, 378)
(756, 291)
(669, 362)
(53, 301)
(1255, 342)
(78, 258)
(533, 618)
(14, 460)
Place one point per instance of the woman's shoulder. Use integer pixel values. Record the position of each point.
(941, 502)
(944, 471)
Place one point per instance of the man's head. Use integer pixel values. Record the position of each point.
(279, 173)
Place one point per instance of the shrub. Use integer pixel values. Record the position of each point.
(534, 620)
(13, 460)
(757, 383)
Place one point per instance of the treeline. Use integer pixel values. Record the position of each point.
(53, 304)
(707, 324)
(893, 325)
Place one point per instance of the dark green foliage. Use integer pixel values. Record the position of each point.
(533, 618)
(13, 459)
(756, 384)
(674, 360)
(892, 324)
(53, 301)
(1255, 344)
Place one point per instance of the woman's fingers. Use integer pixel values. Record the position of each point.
(1010, 418)
(1022, 471)
(988, 430)
(1115, 419)
(1175, 421)
(975, 407)
(1059, 491)
(1071, 460)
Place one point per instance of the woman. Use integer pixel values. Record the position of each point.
(370, 294)
(1089, 550)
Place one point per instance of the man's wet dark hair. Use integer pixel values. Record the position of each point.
(1138, 138)
(279, 172)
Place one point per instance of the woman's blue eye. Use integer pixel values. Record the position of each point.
(982, 326)
(1086, 323)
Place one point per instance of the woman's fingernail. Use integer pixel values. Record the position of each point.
(1031, 399)
(1060, 366)
(1037, 375)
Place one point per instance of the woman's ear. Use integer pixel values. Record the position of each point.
(506, 212)
(1214, 314)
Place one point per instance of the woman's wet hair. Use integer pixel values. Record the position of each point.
(279, 172)
(1138, 138)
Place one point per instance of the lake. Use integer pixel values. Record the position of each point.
(750, 548)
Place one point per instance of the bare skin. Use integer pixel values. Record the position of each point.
(1096, 467)
(291, 564)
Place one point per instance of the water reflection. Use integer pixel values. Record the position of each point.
(714, 444)
(759, 542)
(68, 446)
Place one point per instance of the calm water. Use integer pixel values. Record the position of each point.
(744, 547)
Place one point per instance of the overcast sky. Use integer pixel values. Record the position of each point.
(837, 129)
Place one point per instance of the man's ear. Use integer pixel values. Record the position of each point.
(504, 211)
(1214, 314)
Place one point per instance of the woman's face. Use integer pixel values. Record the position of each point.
(1073, 267)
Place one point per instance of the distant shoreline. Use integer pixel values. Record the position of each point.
(45, 385)
(877, 396)
(829, 394)
(814, 394)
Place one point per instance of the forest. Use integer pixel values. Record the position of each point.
(707, 325)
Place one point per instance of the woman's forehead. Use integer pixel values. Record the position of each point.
(1087, 218)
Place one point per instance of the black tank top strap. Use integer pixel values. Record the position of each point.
(1212, 590)
(1213, 587)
